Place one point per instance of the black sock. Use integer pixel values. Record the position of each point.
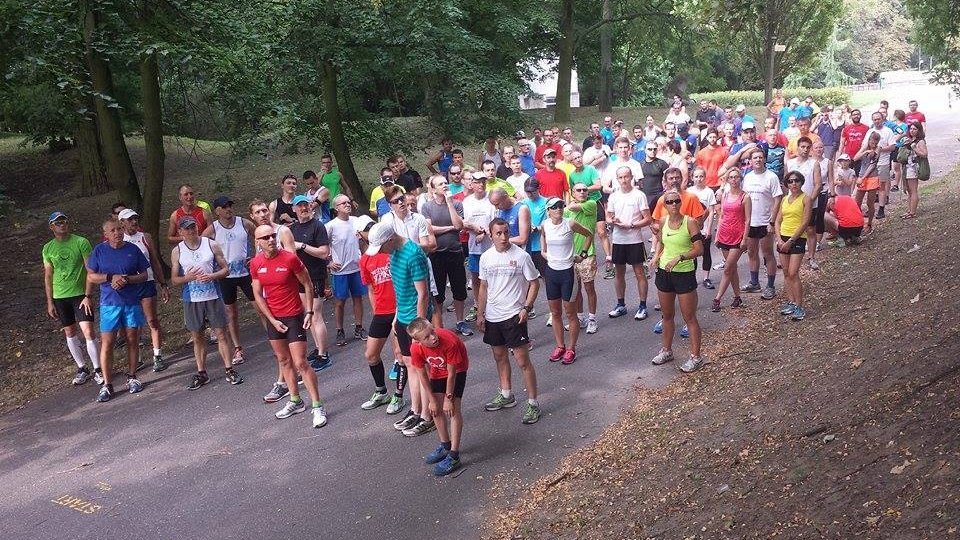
(445, 445)
(621, 302)
(454, 455)
(203, 372)
(378, 375)
(401, 378)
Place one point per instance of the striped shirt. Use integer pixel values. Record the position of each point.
(409, 264)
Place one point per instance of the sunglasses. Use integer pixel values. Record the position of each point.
(398, 200)
(794, 181)
(267, 237)
(671, 201)
(581, 189)
(59, 222)
(558, 206)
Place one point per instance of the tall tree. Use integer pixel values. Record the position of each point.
(937, 30)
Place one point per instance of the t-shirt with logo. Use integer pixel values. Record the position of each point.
(508, 275)
(854, 135)
(66, 258)
(278, 277)
(375, 273)
(762, 188)
(450, 352)
(125, 260)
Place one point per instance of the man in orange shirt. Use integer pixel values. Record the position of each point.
(690, 204)
(803, 124)
(711, 158)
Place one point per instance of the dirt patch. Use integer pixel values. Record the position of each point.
(841, 426)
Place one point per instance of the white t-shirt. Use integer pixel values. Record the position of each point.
(559, 252)
(677, 119)
(414, 226)
(805, 168)
(478, 212)
(344, 245)
(609, 176)
(627, 207)
(762, 188)
(517, 181)
(887, 137)
(591, 154)
(508, 275)
(708, 199)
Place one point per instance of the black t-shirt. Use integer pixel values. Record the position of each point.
(504, 172)
(283, 208)
(410, 180)
(652, 182)
(587, 143)
(311, 233)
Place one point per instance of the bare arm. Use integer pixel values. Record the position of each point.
(172, 237)
(431, 164)
(286, 240)
(154, 260)
(524, 218)
(423, 297)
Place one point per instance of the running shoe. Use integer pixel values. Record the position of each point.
(720, 266)
(592, 326)
(812, 263)
(464, 329)
(737, 302)
(531, 415)
(499, 402)
(320, 362)
(609, 273)
(684, 332)
(212, 337)
(641, 313)
(450, 308)
(750, 287)
(394, 371)
(276, 393)
(569, 357)
(447, 466)
(716, 305)
(319, 416)
(408, 421)
(105, 394)
(658, 328)
(549, 319)
(618, 310)
(787, 308)
(376, 400)
(881, 213)
(798, 314)
(159, 365)
(98, 376)
(471, 314)
(313, 356)
(233, 377)
(397, 403)
(82, 376)
(237, 356)
(692, 364)
(557, 354)
(341, 338)
(422, 427)
(359, 333)
(837, 243)
(200, 379)
(657, 307)
(662, 357)
(768, 293)
(134, 386)
(581, 319)
(708, 284)
(290, 409)
(436, 456)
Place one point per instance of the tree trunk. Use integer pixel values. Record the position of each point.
(769, 43)
(93, 179)
(117, 165)
(153, 139)
(331, 111)
(561, 111)
(606, 60)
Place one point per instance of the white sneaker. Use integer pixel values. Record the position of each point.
(376, 400)
(98, 378)
(662, 358)
(319, 417)
(592, 326)
(397, 403)
(81, 377)
(550, 319)
(291, 409)
(720, 266)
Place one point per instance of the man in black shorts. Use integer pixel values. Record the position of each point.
(313, 248)
(508, 287)
(68, 293)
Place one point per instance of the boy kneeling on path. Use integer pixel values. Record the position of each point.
(442, 357)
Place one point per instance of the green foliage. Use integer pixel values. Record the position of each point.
(937, 30)
(755, 97)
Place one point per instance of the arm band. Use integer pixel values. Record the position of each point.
(696, 237)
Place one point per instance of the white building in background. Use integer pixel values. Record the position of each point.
(543, 87)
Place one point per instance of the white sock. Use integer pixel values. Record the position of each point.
(93, 350)
(505, 393)
(593, 316)
(156, 352)
(76, 350)
(533, 402)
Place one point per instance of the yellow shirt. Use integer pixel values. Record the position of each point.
(792, 212)
(495, 183)
(376, 195)
(567, 168)
(792, 146)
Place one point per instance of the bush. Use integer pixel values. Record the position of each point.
(821, 96)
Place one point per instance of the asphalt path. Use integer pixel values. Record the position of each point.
(215, 463)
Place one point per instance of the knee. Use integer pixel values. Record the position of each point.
(285, 362)
(154, 323)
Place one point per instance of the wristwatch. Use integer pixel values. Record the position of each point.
(449, 396)
(528, 308)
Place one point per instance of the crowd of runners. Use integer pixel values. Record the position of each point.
(664, 200)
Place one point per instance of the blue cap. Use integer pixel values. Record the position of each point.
(55, 216)
(300, 199)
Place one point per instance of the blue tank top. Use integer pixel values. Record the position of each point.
(538, 212)
(446, 159)
(512, 217)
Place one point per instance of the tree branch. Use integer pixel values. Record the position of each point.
(622, 18)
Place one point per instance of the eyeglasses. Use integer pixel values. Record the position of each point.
(671, 201)
(398, 200)
(652, 149)
(267, 237)
(59, 222)
(581, 189)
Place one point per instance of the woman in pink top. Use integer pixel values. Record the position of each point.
(732, 235)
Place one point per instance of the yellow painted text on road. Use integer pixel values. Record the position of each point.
(78, 504)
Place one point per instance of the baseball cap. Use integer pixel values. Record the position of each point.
(127, 213)
(387, 180)
(55, 216)
(553, 201)
(531, 185)
(300, 199)
(186, 222)
(521, 134)
(222, 202)
(741, 107)
(795, 101)
(479, 175)
(379, 234)
(363, 223)
(748, 125)
(843, 157)
(549, 151)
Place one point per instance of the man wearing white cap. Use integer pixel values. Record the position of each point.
(130, 221)
(786, 113)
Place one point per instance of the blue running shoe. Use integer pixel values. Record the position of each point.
(437, 455)
(618, 311)
(447, 466)
(684, 332)
(394, 372)
(658, 328)
(641, 313)
(321, 362)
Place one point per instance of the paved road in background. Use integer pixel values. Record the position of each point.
(215, 463)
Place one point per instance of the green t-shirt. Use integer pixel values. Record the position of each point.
(331, 181)
(587, 177)
(66, 258)
(587, 216)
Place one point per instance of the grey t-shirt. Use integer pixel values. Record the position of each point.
(439, 216)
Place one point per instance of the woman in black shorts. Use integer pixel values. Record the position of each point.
(794, 217)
